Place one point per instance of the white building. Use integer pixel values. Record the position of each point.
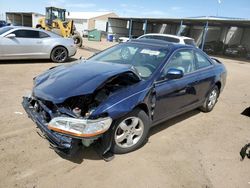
(90, 20)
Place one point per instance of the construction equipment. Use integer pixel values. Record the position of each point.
(55, 21)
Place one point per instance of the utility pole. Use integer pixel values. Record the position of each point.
(218, 6)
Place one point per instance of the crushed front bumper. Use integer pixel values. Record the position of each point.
(58, 142)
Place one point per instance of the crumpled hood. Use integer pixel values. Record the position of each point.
(80, 78)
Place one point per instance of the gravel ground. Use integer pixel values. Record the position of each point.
(193, 150)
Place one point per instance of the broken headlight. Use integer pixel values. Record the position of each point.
(80, 127)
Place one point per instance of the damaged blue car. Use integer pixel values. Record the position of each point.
(116, 96)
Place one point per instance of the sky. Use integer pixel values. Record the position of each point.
(137, 8)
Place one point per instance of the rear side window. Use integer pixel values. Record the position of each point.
(189, 42)
(202, 61)
(22, 33)
(165, 38)
(43, 35)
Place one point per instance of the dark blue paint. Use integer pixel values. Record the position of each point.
(172, 96)
(62, 82)
(161, 98)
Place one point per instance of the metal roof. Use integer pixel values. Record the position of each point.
(25, 13)
(213, 21)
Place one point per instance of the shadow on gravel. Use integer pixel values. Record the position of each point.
(81, 155)
(90, 49)
(91, 153)
(32, 61)
(246, 112)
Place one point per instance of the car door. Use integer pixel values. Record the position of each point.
(25, 44)
(177, 95)
(206, 74)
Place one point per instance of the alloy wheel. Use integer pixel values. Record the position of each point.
(129, 132)
(212, 98)
(60, 54)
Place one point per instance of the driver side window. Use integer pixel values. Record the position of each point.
(183, 60)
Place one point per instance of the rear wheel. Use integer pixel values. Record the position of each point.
(210, 100)
(59, 54)
(131, 132)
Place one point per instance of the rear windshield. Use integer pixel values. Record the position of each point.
(189, 42)
(165, 38)
(5, 29)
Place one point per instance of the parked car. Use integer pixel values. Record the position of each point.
(236, 51)
(116, 96)
(29, 43)
(126, 39)
(248, 55)
(3, 23)
(213, 47)
(169, 38)
(123, 39)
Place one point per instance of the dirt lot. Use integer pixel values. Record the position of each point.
(193, 150)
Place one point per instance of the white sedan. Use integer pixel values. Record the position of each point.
(30, 43)
(169, 38)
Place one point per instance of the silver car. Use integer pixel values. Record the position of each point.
(30, 43)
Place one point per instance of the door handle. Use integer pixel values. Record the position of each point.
(39, 42)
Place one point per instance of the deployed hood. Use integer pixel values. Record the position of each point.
(81, 78)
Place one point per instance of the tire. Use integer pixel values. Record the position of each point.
(59, 54)
(78, 40)
(125, 132)
(211, 100)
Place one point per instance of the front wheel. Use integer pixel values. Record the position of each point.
(130, 132)
(210, 100)
(77, 40)
(59, 54)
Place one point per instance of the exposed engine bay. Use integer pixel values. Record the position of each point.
(84, 105)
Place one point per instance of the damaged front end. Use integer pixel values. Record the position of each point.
(65, 130)
(69, 123)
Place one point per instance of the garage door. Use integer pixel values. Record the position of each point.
(100, 25)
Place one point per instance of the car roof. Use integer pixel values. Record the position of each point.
(167, 35)
(159, 43)
(34, 29)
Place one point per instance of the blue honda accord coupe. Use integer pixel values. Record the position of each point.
(115, 97)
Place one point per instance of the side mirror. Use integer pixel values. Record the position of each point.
(12, 35)
(174, 74)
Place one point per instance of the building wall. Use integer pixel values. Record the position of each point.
(246, 38)
(19, 19)
(213, 34)
(234, 36)
(118, 27)
(23, 19)
(35, 19)
(91, 22)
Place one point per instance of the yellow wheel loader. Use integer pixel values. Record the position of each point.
(55, 21)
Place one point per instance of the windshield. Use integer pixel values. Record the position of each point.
(5, 29)
(145, 59)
